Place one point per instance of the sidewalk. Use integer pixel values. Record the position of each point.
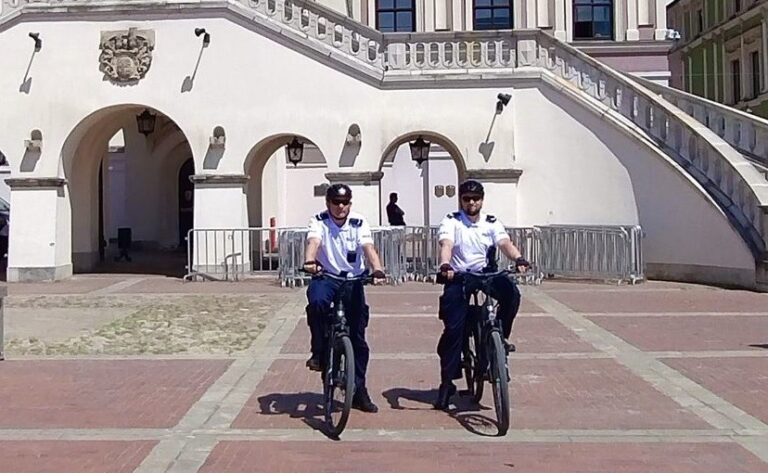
(657, 377)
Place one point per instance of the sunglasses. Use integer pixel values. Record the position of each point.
(470, 198)
(340, 201)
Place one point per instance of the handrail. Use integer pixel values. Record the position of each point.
(746, 133)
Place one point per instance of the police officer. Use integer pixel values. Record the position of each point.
(465, 239)
(336, 243)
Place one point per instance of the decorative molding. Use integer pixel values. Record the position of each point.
(209, 179)
(494, 175)
(35, 182)
(126, 55)
(354, 177)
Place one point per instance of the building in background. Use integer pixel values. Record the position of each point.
(721, 51)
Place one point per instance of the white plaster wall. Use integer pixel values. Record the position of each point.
(594, 174)
(39, 241)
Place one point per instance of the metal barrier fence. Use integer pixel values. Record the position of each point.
(412, 253)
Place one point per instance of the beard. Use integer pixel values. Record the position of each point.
(472, 212)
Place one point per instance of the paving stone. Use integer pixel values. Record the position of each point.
(62, 456)
(688, 333)
(439, 457)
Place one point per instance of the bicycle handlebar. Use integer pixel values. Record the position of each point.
(459, 275)
(365, 278)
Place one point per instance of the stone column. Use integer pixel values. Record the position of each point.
(542, 14)
(764, 55)
(633, 34)
(221, 245)
(500, 192)
(366, 192)
(441, 15)
(457, 11)
(660, 20)
(561, 32)
(40, 239)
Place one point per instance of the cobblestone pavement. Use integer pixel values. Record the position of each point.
(146, 374)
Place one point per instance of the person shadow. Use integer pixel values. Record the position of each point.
(464, 410)
(307, 406)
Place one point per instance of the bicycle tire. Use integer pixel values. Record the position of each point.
(500, 381)
(339, 378)
(481, 363)
(469, 361)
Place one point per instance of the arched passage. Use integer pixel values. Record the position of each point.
(426, 189)
(275, 185)
(123, 183)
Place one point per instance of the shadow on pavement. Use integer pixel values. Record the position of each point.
(305, 406)
(760, 345)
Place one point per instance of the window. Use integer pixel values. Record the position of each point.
(395, 16)
(593, 19)
(736, 80)
(755, 73)
(700, 20)
(493, 15)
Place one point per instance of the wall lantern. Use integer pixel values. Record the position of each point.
(295, 150)
(146, 122)
(420, 150)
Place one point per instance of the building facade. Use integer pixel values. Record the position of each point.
(159, 116)
(721, 52)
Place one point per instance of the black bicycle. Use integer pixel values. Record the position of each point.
(484, 355)
(339, 361)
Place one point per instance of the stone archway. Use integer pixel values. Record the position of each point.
(441, 173)
(121, 182)
(274, 183)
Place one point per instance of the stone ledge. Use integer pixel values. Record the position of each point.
(35, 182)
(212, 179)
(494, 175)
(354, 177)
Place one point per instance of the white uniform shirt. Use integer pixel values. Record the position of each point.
(341, 248)
(471, 240)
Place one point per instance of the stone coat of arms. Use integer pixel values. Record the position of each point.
(127, 54)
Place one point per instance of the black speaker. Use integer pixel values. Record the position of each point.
(124, 238)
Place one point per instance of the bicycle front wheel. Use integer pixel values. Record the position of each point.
(500, 381)
(339, 385)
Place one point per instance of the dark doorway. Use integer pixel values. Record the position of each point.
(186, 201)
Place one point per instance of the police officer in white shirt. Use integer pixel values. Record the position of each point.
(336, 243)
(465, 239)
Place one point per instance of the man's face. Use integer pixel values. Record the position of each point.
(339, 207)
(471, 204)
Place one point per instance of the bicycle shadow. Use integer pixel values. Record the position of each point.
(307, 406)
(465, 411)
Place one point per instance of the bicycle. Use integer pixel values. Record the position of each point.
(484, 354)
(338, 371)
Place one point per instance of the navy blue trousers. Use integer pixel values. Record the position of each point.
(320, 295)
(454, 304)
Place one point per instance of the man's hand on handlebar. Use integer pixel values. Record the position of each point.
(378, 277)
(447, 272)
(522, 264)
(312, 267)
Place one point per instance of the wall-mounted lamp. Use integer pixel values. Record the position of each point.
(146, 122)
(419, 150)
(502, 102)
(219, 138)
(37, 40)
(206, 36)
(35, 142)
(295, 150)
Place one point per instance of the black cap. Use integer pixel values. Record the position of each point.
(338, 191)
(471, 187)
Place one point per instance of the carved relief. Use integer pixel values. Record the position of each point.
(127, 54)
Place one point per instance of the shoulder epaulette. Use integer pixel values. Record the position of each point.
(454, 215)
(355, 222)
(490, 218)
(322, 216)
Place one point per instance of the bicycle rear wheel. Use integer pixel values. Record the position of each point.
(469, 361)
(481, 363)
(339, 385)
(500, 381)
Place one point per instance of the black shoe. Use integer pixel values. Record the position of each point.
(362, 401)
(314, 364)
(510, 347)
(444, 396)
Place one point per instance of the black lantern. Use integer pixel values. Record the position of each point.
(420, 150)
(146, 122)
(295, 151)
